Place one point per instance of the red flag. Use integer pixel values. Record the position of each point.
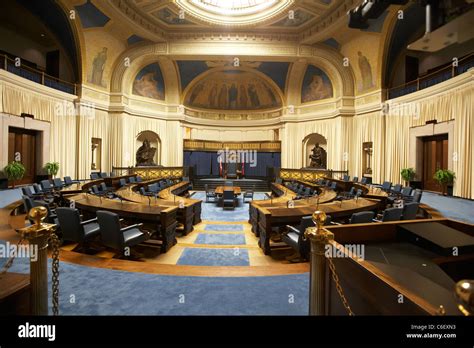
(220, 166)
(243, 166)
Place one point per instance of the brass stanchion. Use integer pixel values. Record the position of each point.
(318, 237)
(38, 235)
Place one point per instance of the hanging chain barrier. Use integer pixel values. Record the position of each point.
(55, 268)
(319, 238)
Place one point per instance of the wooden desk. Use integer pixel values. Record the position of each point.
(163, 218)
(15, 294)
(372, 285)
(187, 216)
(220, 190)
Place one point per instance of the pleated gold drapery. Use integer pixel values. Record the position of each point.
(16, 100)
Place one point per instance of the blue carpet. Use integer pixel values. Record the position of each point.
(231, 228)
(223, 239)
(9, 196)
(214, 257)
(210, 211)
(109, 292)
(451, 207)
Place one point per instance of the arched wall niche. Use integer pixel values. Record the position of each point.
(154, 140)
(309, 142)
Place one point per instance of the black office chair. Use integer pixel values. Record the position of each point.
(210, 193)
(94, 176)
(139, 179)
(248, 194)
(355, 179)
(116, 237)
(406, 191)
(122, 182)
(346, 177)
(228, 199)
(132, 180)
(416, 197)
(28, 191)
(397, 189)
(410, 211)
(333, 185)
(390, 214)
(46, 186)
(57, 183)
(278, 181)
(386, 186)
(95, 191)
(30, 203)
(68, 181)
(104, 175)
(37, 188)
(75, 230)
(294, 237)
(362, 217)
(363, 180)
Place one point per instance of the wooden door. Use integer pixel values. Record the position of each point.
(435, 156)
(23, 142)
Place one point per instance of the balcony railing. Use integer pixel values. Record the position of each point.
(8, 64)
(433, 78)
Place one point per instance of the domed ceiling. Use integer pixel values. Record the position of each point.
(200, 15)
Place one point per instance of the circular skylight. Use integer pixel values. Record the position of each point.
(234, 12)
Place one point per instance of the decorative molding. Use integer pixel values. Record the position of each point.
(207, 145)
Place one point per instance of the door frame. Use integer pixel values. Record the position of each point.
(415, 149)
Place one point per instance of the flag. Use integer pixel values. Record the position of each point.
(220, 166)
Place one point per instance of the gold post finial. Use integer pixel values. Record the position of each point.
(464, 291)
(319, 218)
(38, 214)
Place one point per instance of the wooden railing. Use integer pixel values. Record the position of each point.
(433, 78)
(35, 75)
(310, 175)
(149, 173)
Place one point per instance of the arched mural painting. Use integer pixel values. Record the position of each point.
(233, 90)
(149, 82)
(316, 85)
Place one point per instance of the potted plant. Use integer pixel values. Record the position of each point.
(52, 168)
(408, 174)
(14, 171)
(444, 177)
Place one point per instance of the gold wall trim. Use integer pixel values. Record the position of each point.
(207, 145)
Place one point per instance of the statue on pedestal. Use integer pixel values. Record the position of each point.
(145, 155)
(318, 157)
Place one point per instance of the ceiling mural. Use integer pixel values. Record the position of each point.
(149, 82)
(316, 85)
(233, 90)
(190, 69)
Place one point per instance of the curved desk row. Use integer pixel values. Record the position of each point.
(267, 215)
(162, 219)
(189, 210)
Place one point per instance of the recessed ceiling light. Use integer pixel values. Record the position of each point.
(42, 35)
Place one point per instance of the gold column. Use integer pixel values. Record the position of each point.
(38, 235)
(318, 237)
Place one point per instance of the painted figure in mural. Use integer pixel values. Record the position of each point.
(318, 157)
(233, 96)
(212, 99)
(145, 154)
(148, 86)
(98, 66)
(317, 89)
(223, 101)
(255, 101)
(365, 71)
(243, 98)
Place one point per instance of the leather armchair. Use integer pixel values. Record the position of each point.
(390, 214)
(75, 230)
(68, 181)
(228, 199)
(362, 217)
(210, 193)
(94, 176)
(294, 237)
(410, 210)
(57, 183)
(116, 237)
